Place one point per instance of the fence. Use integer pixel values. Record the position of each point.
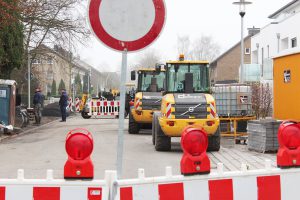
(104, 108)
(264, 184)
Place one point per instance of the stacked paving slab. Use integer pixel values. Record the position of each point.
(262, 135)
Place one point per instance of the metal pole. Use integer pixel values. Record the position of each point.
(89, 83)
(242, 46)
(278, 42)
(28, 77)
(121, 115)
(73, 87)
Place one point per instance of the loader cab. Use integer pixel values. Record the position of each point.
(187, 77)
(150, 81)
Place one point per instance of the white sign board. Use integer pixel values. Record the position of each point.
(3, 94)
(127, 24)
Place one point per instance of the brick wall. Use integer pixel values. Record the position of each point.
(226, 68)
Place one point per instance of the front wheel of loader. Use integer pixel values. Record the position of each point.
(162, 142)
(214, 141)
(133, 126)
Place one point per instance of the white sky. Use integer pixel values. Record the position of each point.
(218, 18)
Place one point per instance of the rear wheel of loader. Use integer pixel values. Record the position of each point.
(133, 126)
(153, 127)
(214, 141)
(85, 115)
(162, 142)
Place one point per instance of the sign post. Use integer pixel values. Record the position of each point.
(29, 78)
(126, 26)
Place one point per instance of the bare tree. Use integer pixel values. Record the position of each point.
(52, 23)
(261, 100)
(148, 59)
(203, 48)
(55, 22)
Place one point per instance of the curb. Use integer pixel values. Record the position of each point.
(29, 130)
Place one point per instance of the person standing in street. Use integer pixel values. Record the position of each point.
(63, 103)
(37, 104)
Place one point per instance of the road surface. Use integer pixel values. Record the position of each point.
(44, 148)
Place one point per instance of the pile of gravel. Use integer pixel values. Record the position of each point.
(53, 110)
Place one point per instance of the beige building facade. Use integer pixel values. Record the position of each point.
(49, 65)
(226, 68)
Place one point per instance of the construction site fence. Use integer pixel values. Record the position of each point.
(264, 184)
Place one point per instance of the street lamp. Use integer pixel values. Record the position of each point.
(278, 42)
(242, 8)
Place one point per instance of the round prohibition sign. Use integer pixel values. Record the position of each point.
(127, 24)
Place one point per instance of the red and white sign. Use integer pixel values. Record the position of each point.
(127, 24)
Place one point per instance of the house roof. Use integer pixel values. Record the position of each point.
(77, 62)
(7, 82)
(275, 14)
(213, 63)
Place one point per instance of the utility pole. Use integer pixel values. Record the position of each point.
(28, 76)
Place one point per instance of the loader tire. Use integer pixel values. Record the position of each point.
(214, 141)
(162, 142)
(133, 126)
(153, 127)
(85, 115)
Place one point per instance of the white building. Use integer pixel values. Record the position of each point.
(281, 35)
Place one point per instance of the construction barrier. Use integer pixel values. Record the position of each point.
(77, 104)
(52, 189)
(265, 184)
(70, 104)
(104, 108)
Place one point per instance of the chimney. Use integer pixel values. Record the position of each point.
(253, 31)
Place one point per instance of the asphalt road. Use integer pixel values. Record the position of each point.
(44, 148)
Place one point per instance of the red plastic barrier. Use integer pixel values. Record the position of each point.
(79, 147)
(194, 143)
(289, 144)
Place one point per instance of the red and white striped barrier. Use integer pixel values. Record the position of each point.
(104, 108)
(265, 184)
(70, 104)
(52, 189)
(77, 104)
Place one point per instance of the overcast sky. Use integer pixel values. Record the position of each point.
(219, 19)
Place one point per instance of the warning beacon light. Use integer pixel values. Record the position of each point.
(288, 154)
(194, 143)
(79, 147)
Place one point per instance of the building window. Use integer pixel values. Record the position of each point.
(50, 75)
(287, 76)
(284, 43)
(247, 51)
(36, 61)
(50, 60)
(268, 49)
(294, 42)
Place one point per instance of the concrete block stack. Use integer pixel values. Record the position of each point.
(262, 135)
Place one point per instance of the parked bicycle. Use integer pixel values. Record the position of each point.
(22, 116)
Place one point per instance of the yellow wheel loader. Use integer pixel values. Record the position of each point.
(150, 85)
(83, 107)
(186, 101)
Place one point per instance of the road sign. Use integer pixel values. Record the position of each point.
(31, 76)
(127, 24)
